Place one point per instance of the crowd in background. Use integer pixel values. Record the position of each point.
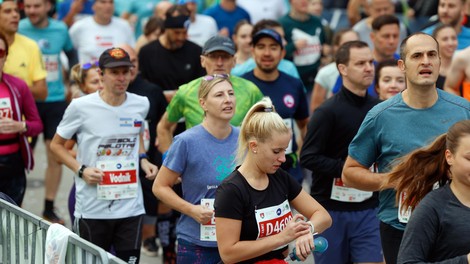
(359, 83)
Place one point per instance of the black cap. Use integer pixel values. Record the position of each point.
(217, 43)
(269, 33)
(115, 57)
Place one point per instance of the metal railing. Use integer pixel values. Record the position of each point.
(23, 238)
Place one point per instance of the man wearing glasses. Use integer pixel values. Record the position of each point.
(217, 58)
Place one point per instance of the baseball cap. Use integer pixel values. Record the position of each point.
(114, 57)
(217, 43)
(269, 33)
(182, 2)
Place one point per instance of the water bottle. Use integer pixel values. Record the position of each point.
(321, 245)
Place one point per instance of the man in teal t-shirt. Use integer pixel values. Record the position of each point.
(52, 37)
(397, 126)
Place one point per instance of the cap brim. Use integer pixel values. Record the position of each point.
(259, 36)
(118, 64)
(220, 48)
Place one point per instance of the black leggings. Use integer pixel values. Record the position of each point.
(391, 240)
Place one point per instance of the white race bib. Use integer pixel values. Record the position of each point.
(51, 61)
(119, 180)
(208, 229)
(340, 192)
(272, 220)
(289, 124)
(403, 217)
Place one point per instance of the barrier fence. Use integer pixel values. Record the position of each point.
(23, 240)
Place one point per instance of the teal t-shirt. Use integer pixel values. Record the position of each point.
(143, 9)
(51, 40)
(185, 103)
(392, 129)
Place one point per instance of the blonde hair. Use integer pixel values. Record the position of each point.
(259, 124)
(78, 74)
(206, 86)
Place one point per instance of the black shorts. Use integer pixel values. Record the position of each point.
(51, 114)
(13, 177)
(122, 234)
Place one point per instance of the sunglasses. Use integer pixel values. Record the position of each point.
(88, 65)
(215, 76)
(215, 56)
(3, 53)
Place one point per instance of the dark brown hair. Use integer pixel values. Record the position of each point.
(344, 51)
(418, 171)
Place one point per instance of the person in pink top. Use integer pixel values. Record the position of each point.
(19, 119)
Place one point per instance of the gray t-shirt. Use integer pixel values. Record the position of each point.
(438, 231)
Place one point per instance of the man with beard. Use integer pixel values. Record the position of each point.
(172, 60)
(452, 12)
(286, 92)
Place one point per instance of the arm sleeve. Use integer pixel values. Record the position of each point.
(363, 147)
(37, 70)
(71, 121)
(312, 155)
(177, 156)
(30, 111)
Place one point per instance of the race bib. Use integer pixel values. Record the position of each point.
(51, 61)
(403, 216)
(208, 229)
(272, 220)
(146, 136)
(289, 124)
(5, 108)
(119, 180)
(311, 53)
(340, 192)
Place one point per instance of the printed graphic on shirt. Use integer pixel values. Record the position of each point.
(118, 159)
(122, 146)
(224, 166)
(310, 54)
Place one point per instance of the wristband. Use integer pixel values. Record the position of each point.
(80, 171)
(312, 227)
(143, 156)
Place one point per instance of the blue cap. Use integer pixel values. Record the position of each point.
(182, 2)
(269, 33)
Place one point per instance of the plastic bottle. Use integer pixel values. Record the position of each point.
(321, 245)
